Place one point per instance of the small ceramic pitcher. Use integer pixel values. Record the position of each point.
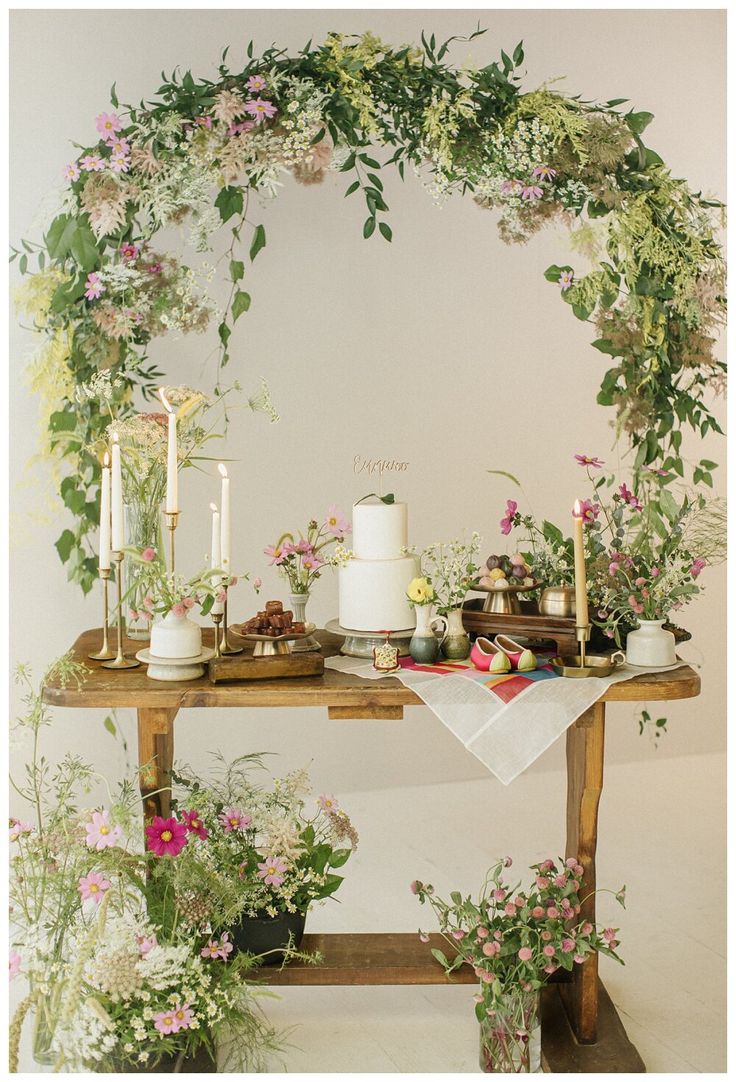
(456, 643)
(425, 645)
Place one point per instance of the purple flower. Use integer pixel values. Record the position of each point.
(628, 497)
(566, 279)
(586, 460)
(698, 566)
(261, 109)
(588, 511)
(508, 520)
(531, 192)
(544, 172)
(511, 187)
(94, 287)
(256, 83)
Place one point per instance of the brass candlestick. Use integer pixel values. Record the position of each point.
(582, 634)
(104, 653)
(172, 521)
(120, 661)
(584, 664)
(217, 620)
(226, 648)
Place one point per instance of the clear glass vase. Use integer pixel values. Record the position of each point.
(142, 530)
(511, 1036)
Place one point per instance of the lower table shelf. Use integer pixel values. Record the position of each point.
(395, 958)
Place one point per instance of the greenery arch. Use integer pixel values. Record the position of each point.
(655, 295)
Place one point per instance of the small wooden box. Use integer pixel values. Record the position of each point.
(230, 670)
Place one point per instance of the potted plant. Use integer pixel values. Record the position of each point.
(273, 851)
(300, 561)
(515, 940)
(115, 941)
(451, 567)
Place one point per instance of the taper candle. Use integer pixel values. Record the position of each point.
(172, 459)
(216, 552)
(225, 519)
(581, 576)
(116, 499)
(105, 522)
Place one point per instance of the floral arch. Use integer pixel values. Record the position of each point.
(193, 154)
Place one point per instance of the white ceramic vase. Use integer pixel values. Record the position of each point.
(176, 637)
(650, 645)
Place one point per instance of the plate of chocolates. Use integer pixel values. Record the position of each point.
(273, 624)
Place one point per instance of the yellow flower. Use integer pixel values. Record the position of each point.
(420, 591)
(497, 573)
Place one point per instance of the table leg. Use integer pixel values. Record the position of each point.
(155, 756)
(585, 740)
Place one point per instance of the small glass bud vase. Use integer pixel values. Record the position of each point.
(511, 1035)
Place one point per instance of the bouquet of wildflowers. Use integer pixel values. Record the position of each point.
(275, 851)
(123, 966)
(450, 569)
(300, 561)
(163, 593)
(515, 940)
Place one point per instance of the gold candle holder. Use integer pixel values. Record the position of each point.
(583, 664)
(120, 661)
(226, 648)
(217, 620)
(172, 521)
(104, 653)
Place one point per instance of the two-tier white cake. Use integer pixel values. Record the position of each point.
(372, 586)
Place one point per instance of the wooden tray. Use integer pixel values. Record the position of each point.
(557, 629)
(233, 669)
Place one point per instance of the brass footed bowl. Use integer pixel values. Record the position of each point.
(595, 665)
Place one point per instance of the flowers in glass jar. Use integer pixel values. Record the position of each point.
(301, 559)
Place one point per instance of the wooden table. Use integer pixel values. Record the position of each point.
(581, 1030)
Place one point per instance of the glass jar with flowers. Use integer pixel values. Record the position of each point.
(451, 567)
(515, 940)
(112, 944)
(275, 851)
(300, 562)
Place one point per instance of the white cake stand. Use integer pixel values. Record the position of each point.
(362, 643)
(175, 668)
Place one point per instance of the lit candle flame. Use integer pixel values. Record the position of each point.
(115, 437)
(106, 460)
(164, 400)
(577, 509)
(222, 469)
(213, 507)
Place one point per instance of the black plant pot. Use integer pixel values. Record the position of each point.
(262, 933)
(175, 1063)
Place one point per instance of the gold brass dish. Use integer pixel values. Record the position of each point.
(572, 665)
(503, 600)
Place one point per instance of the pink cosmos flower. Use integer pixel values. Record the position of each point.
(566, 279)
(544, 172)
(107, 124)
(218, 948)
(171, 1021)
(149, 555)
(118, 145)
(260, 109)
(71, 171)
(166, 837)
(568, 945)
(92, 163)
(271, 871)
(312, 561)
(120, 163)
(525, 954)
(146, 943)
(179, 609)
(14, 961)
(128, 251)
(100, 834)
(94, 287)
(256, 83)
(697, 566)
(589, 510)
(531, 192)
(586, 460)
(328, 802)
(277, 554)
(18, 829)
(194, 824)
(93, 886)
(511, 187)
(241, 127)
(302, 546)
(234, 819)
(337, 522)
(508, 520)
(548, 950)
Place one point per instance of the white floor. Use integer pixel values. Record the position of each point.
(662, 832)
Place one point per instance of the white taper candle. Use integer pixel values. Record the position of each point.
(105, 522)
(225, 521)
(216, 551)
(172, 459)
(581, 576)
(116, 499)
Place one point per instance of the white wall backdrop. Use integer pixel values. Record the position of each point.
(400, 351)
